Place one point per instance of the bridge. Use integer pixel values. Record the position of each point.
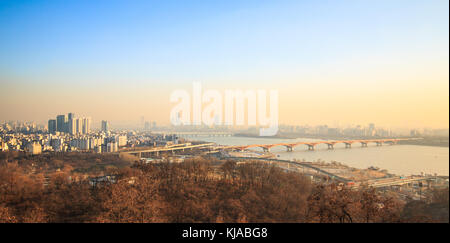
(172, 148)
(312, 145)
(197, 134)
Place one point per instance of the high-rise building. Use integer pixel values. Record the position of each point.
(69, 124)
(78, 125)
(105, 126)
(52, 126)
(372, 130)
(75, 126)
(86, 125)
(72, 126)
(61, 125)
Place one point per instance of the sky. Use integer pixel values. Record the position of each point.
(333, 62)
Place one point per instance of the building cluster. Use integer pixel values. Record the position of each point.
(66, 133)
(23, 127)
(69, 124)
(152, 140)
(149, 125)
(324, 130)
(320, 130)
(429, 132)
(105, 126)
(37, 143)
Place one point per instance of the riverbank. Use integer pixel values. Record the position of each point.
(428, 141)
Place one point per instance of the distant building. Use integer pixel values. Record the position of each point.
(78, 125)
(57, 144)
(52, 128)
(69, 124)
(33, 148)
(3, 146)
(112, 147)
(86, 125)
(72, 126)
(121, 140)
(105, 126)
(371, 130)
(61, 123)
(98, 149)
(414, 133)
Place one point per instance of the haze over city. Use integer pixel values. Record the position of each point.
(335, 63)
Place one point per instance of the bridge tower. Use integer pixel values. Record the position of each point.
(330, 145)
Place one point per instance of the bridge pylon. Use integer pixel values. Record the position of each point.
(311, 146)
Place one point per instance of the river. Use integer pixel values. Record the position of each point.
(397, 159)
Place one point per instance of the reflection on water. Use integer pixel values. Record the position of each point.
(398, 159)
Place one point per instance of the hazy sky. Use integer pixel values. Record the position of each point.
(333, 62)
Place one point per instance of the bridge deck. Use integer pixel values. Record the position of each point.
(310, 145)
(173, 148)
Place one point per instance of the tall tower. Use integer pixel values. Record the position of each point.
(86, 125)
(105, 126)
(61, 121)
(76, 126)
(52, 126)
(73, 126)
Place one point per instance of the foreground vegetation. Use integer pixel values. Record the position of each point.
(199, 190)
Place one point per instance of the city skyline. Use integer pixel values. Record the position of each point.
(357, 62)
(84, 125)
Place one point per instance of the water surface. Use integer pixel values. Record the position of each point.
(397, 159)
